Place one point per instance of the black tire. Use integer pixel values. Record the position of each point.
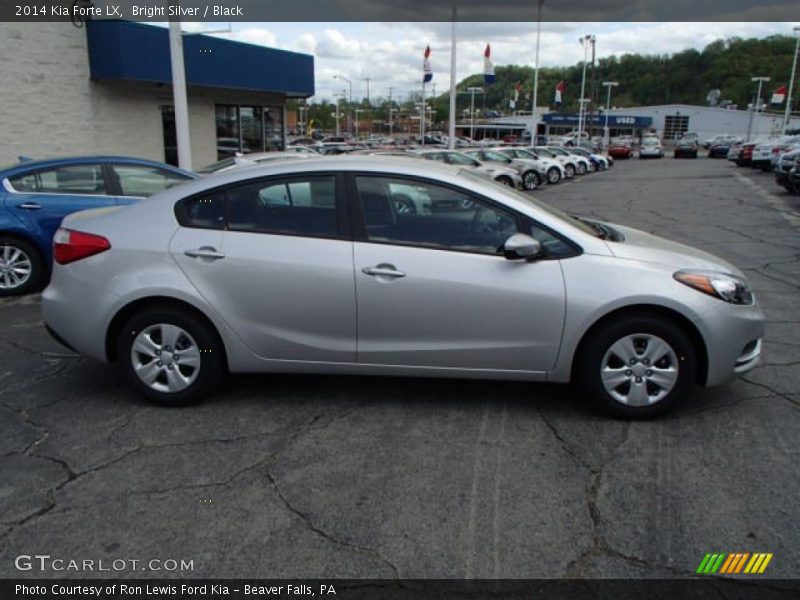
(531, 180)
(211, 352)
(553, 175)
(25, 255)
(569, 171)
(505, 180)
(581, 169)
(593, 350)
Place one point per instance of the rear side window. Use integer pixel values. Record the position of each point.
(71, 179)
(141, 181)
(206, 211)
(304, 207)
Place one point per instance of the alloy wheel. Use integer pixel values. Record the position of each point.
(15, 267)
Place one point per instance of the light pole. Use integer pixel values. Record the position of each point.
(391, 121)
(760, 81)
(350, 95)
(609, 85)
(472, 91)
(585, 41)
(368, 79)
(359, 110)
(788, 112)
(534, 116)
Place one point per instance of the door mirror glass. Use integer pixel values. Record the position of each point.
(521, 246)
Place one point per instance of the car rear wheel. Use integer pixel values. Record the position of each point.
(569, 171)
(531, 180)
(637, 367)
(553, 175)
(21, 267)
(170, 356)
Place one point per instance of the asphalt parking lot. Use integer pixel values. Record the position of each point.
(299, 476)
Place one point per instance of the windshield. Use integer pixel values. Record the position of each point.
(456, 158)
(544, 152)
(650, 142)
(525, 154)
(496, 156)
(550, 210)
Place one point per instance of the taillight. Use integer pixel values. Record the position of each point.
(70, 245)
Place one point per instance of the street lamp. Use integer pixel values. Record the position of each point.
(359, 110)
(760, 81)
(609, 85)
(350, 95)
(472, 91)
(585, 41)
(788, 113)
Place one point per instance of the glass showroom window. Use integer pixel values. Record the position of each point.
(248, 129)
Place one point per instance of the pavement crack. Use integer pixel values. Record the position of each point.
(764, 386)
(309, 523)
(599, 545)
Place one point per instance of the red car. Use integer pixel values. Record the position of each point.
(619, 151)
(746, 156)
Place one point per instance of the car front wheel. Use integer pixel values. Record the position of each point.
(581, 169)
(21, 267)
(530, 180)
(569, 171)
(637, 367)
(170, 356)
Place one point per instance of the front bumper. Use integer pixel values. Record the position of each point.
(733, 337)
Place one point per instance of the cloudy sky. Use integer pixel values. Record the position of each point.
(390, 54)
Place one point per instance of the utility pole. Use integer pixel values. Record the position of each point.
(584, 40)
(451, 130)
(472, 91)
(368, 79)
(534, 115)
(760, 81)
(592, 93)
(391, 121)
(609, 85)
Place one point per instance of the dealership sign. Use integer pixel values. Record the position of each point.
(599, 120)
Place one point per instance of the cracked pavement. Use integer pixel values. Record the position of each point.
(311, 476)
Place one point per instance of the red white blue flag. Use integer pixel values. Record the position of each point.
(560, 87)
(427, 73)
(779, 95)
(488, 67)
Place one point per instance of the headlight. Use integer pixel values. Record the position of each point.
(720, 285)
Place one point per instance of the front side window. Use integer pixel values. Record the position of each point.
(496, 157)
(445, 218)
(71, 179)
(288, 207)
(142, 181)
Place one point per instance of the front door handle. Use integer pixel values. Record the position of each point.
(205, 252)
(29, 206)
(383, 271)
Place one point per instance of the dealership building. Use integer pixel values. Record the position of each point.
(669, 121)
(104, 87)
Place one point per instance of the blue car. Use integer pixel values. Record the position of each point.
(36, 195)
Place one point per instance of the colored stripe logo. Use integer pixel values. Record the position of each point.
(735, 563)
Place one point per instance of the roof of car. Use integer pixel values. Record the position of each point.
(29, 165)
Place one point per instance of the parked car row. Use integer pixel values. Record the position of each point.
(776, 154)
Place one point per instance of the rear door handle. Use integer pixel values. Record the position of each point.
(29, 206)
(205, 252)
(383, 271)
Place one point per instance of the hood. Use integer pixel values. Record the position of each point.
(642, 246)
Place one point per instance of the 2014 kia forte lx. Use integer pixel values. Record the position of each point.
(312, 267)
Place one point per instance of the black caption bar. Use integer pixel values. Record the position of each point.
(234, 589)
(403, 11)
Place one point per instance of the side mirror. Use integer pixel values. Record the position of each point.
(521, 246)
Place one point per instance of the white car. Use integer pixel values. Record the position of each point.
(651, 148)
(580, 164)
(546, 166)
(571, 138)
(767, 153)
(499, 173)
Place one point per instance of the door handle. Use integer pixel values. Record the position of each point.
(29, 206)
(383, 271)
(205, 252)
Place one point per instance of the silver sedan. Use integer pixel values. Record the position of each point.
(308, 267)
